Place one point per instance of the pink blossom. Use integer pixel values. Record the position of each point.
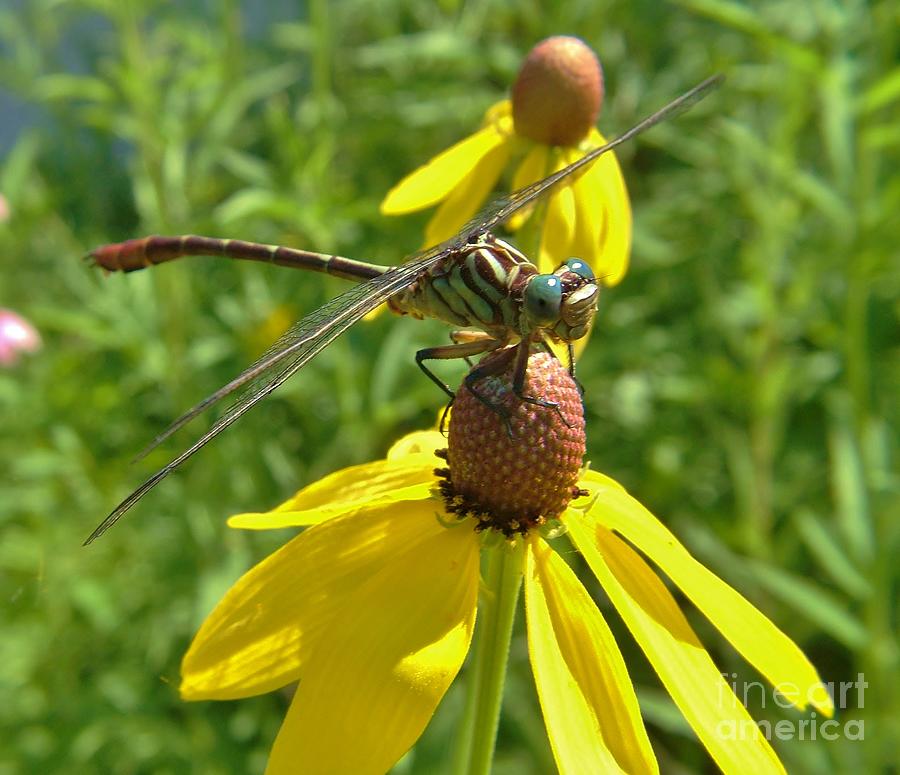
(16, 335)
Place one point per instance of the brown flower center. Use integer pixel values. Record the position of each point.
(514, 464)
(557, 94)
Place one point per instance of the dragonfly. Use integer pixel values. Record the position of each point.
(472, 279)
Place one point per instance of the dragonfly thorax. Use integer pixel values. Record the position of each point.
(479, 286)
(491, 285)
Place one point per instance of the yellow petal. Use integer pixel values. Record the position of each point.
(376, 676)
(462, 203)
(757, 639)
(406, 478)
(562, 352)
(500, 114)
(651, 614)
(417, 441)
(590, 477)
(532, 168)
(610, 260)
(375, 313)
(558, 229)
(587, 698)
(589, 219)
(432, 182)
(264, 630)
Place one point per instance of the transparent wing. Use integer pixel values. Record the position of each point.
(296, 348)
(502, 208)
(317, 330)
(496, 212)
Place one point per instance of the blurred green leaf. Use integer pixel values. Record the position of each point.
(810, 600)
(831, 556)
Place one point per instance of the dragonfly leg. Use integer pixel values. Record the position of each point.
(476, 344)
(570, 348)
(460, 336)
(442, 425)
(498, 366)
(523, 350)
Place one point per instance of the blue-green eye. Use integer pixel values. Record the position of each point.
(580, 268)
(543, 297)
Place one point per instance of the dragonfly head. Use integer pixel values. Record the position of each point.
(562, 303)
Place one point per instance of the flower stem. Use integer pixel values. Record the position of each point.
(493, 631)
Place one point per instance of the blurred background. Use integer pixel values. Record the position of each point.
(742, 381)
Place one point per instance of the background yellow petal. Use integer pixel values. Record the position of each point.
(685, 668)
(416, 442)
(590, 709)
(375, 679)
(406, 478)
(432, 182)
(758, 640)
(532, 168)
(470, 193)
(263, 631)
(589, 220)
(500, 113)
(614, 247)
(558, 229)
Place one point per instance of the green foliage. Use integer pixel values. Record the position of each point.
(742, 381)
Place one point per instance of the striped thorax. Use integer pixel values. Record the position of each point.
(492, 286)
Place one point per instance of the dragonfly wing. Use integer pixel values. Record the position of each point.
(317, 330)
(502, 208)
(295, 349)
(495, 213)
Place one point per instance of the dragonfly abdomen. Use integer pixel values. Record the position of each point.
(479, 286)
(137, 254)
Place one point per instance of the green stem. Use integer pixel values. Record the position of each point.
(490, 652)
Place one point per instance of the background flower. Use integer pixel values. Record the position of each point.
(17, 336)
(548, 124)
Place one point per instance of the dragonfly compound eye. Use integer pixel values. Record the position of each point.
(580, 268)
(543, 297)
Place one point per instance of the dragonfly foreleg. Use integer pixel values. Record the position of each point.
(483, 370)
(463, 335)
(466, 344)
(523, 350)
(570, 350)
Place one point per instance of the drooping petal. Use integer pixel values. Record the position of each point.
(375, 678)
(587, 698)
(757, 639)
(384, 481)
(463, 202)
(559, 223)
(721, 722)
(613, 250)
(432, 182)
(263, 631)
(531, 169)
(500, 115)
(590, 215)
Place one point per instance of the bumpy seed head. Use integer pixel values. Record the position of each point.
(557, 94)
(514, 464)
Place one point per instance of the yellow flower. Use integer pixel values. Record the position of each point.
(547, 125)
(371, 610)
